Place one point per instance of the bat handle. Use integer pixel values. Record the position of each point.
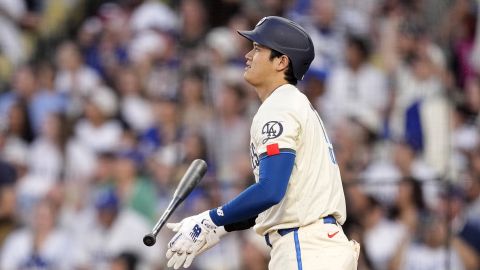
(150, 239)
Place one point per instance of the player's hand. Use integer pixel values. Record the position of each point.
(184, 244)
(194, 235)
(212, 238)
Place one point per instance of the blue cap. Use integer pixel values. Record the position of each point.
(107, 199)
(316, 73)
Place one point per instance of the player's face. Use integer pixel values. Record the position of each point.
(258, 66)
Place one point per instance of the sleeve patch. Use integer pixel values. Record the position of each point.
(271, 130)
(272, 149)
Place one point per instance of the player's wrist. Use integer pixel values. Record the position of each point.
(214, 216)
(220, 231)
(206, 220)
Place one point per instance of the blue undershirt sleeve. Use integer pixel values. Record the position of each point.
(274, 173)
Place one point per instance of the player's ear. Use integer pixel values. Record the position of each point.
(283, 62)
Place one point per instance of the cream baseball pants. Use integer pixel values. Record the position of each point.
(317, 246)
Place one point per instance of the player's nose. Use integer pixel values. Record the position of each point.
(248, 56)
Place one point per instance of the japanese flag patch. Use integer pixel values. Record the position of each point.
(272, 149)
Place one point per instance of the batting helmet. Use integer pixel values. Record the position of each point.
(286, 37)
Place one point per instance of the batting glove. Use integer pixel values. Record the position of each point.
(195, 235)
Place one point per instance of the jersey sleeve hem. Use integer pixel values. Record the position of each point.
(282, 150)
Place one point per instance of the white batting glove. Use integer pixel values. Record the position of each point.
(195, 235)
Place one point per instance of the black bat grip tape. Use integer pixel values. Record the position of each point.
(149, 239)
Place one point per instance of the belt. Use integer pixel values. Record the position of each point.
(327, 220)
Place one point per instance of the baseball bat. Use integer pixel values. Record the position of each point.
(190, 179)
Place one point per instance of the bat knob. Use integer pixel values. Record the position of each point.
(149, 240)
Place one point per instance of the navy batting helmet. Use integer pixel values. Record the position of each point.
(286, 37)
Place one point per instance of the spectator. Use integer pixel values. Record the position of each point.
(135, 192)
(43, 245)
(194, 147)
(167, 129)
(111, 232)
(98, 131)
(193, 25)
(412, 166)
(95, 133)
(153, 15)
(430, 252)
(417, 64)
(23, 92)
(10, 32)
(315, 88)
(227, 133)
(357, 90)
(48, 149)
(110, 49)
(196, 112)
(377, 227)
(410, 205)
(19, 125)
(327, 32)
(48, 99)
(74, 78)
(134, 108)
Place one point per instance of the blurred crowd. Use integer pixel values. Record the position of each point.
(98, 126)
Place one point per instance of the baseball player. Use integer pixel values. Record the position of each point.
(297, 202)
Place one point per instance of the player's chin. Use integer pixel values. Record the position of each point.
(247, 76)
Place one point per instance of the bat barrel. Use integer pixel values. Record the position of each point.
(190, 179)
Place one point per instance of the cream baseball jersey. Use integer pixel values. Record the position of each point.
(287, 122)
